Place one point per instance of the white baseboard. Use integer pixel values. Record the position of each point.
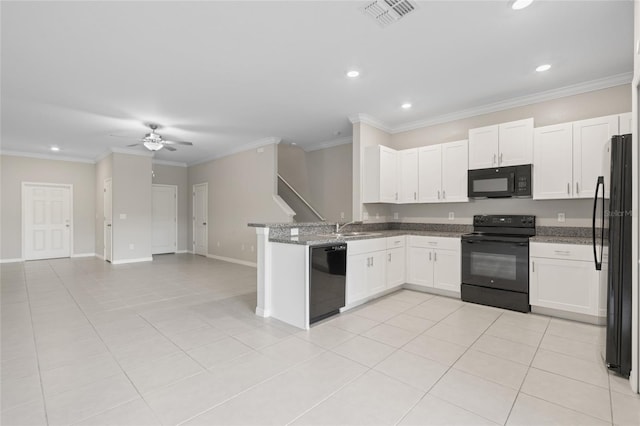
(84, 255)
(233, 260)
(182, 251)
(99, 256)
(263, 312)
(11, 260)
(141, 259)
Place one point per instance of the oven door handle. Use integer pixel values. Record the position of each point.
(517, 243)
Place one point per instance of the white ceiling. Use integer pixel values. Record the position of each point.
(227, 74)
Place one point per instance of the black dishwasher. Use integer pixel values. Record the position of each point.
(327, 279)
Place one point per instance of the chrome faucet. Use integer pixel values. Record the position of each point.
(353, 222)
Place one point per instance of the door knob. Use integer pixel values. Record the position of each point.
(67, 225)
(205, 223)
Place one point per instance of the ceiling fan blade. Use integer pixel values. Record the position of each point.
(177, 142)
(121, 136)
(170, 148)
(134, 144)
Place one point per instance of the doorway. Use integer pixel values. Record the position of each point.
(200, 218)
(47, 219)
(164, 219)
(108, 219)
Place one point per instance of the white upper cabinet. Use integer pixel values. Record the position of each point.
(506, 144)
(625, 123)
(442, 171)
(516, 143)
(430, 174)
(408, 176)
(591, 153)
(454, 171)
(483, 147)
(552, 162)
(380, 175)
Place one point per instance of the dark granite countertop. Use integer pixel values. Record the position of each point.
(314, 239)
(561, 239)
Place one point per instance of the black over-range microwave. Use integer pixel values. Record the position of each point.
(500, 182)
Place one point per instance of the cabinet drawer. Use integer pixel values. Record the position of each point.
(396, 242)
(434, 242)
(366, 246)
(561, 251)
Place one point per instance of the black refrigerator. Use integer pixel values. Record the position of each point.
(612, 228)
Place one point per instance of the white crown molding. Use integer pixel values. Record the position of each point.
(242, 148)
(47, 156)
(367, 119)
(574, 89)
(102, 156)
(328, 144)
(131, 152)
(169, 163)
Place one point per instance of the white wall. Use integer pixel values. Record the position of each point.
(241, 190)
(323, 177)
(131, 197)
(104, 170)
(14, 170)
(179, 176)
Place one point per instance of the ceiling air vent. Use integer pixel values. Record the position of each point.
(386, 12)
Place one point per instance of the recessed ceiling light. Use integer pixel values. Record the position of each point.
(520, 4)
(353, 74)
(406, 105)
(55, 148)
(543, 68)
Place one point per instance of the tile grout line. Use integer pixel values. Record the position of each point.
(35, 345)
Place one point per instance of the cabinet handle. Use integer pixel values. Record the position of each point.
(577, 188)
(493, 163)
(415, 195)
(368, 262)
(389, 257)
(500, 159)
(568, 188)
(533, 266)
(435, 256)
(429, 256)
(444, 194)
(438, 194)
(372, 261)
(396, 196)
(563, 252)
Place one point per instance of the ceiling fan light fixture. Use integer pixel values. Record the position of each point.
(153, 146)
(520, 4)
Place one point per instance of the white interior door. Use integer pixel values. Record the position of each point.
(46, 215)
(200, 218)
(108, 220)
(164, 221)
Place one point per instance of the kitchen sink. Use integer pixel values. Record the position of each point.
(350, 234)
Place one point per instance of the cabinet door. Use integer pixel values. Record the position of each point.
(447, 270)
(552, 162)
(483, 147)
(454, 171)
(420, 266)
(568, 285)
(625, 123)
(516, 143)
(357, 268)
(430, 174)
(591, 157)
(408, 176)
(388, 175)
(395, 267)
(376, 272)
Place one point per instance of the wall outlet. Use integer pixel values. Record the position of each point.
(365, 216)
(451, 216)
(123, 215)
(341, 215)
(294, 232)
(560, 217)
(131, 246)
(396, 215)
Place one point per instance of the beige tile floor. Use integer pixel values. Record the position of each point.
(175, 341)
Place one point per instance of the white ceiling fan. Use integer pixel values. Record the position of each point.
(154, 141)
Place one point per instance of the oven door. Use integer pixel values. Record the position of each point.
(492, 183)
(496, 262)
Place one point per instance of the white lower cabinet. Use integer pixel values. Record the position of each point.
(434, 262)
(396, 261)
(366, 268)
(563, 277)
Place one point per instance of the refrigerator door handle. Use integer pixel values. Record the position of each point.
(598, 262)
